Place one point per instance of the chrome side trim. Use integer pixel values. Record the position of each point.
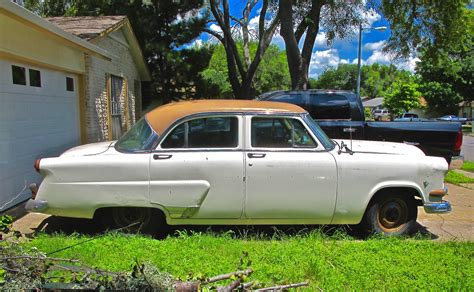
(438, 207)
(36, 206)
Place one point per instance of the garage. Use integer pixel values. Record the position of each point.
(39, 117)
(41, 96)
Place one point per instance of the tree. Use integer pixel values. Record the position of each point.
(447, 74)
(376, 79)
(337, 16)
(162, 27)
(413, 24)
(241, 73)
(402, 97)
(272, 74)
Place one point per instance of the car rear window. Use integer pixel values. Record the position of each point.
(327, 106)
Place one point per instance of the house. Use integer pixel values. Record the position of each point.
(373, 103)
(112, 88)
(58, 90)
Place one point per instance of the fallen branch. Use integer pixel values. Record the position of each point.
(283, 287)
(228, 276)
(38, 258)
(231, 287)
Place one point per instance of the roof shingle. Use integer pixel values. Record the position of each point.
(86, 27)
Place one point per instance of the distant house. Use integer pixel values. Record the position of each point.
(373, 103)
(60, 89)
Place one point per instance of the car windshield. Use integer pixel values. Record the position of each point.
(319, 133)
(139, 138)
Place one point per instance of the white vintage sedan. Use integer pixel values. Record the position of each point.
(240, 162)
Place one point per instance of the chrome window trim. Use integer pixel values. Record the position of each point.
(300, 117)
(153, 141)
(200, 116)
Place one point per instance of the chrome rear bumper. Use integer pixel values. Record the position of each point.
(438, 207)
(36, 206)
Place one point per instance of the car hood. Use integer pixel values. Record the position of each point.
(381, 147)
(89, 149)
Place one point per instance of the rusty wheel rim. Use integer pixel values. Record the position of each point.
(132, 217)
(393, 215)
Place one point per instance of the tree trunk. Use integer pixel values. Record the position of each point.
(298, 62)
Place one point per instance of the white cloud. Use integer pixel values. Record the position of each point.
(321, 40)
(371, 16)
(374, 46)
(380, 57)
(321, 60)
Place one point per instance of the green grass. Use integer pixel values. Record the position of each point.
(466, 128)
(456, 178)
(330, 263)
(468, 166)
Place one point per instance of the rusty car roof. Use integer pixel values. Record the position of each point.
(164, 116)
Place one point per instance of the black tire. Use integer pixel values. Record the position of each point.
(132, 220)
(391, 214)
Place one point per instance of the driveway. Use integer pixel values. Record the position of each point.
(467, 149)
(457, 225)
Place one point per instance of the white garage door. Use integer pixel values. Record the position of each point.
(39, 117)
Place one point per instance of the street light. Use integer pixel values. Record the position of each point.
(378, 28)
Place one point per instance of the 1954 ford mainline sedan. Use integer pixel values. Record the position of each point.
(240, 162)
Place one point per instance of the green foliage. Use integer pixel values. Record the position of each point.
(376, 79)
(331, 263)
(456, 178)
(272, 74)
(415, 24)
(368, 114)
(402, 97)
(447, 73)
(440, 97)
(343, 77)
(6, 222)
(468, 166)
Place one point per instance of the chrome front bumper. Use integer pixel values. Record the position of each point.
(36, 206)
(438, 207)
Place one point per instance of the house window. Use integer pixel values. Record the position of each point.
(19, 75)
(35, 78)
(116, 84)
(69, 84)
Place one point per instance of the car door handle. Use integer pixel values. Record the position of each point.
(256, 155)
(162, 156)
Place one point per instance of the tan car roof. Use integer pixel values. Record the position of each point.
(162, 117)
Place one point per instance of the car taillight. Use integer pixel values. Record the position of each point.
(37, 164)
(458, 144)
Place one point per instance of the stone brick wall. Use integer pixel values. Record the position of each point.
(97, 72)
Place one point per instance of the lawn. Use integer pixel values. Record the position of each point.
(336, 262)
(468, 166)
(456, 178)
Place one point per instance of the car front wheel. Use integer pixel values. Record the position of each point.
(392, 214)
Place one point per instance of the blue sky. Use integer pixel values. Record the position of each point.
(341, 51)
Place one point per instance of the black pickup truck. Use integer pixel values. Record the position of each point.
(341, 115)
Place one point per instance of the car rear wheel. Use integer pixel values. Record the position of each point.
(392, 214)
(132, 219)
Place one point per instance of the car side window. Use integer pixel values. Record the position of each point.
(279, 133)
(214, 132)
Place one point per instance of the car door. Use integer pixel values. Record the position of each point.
(197, 169)
(289, 175)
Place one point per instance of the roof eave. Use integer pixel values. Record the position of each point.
(27, 17)
(135, 48)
